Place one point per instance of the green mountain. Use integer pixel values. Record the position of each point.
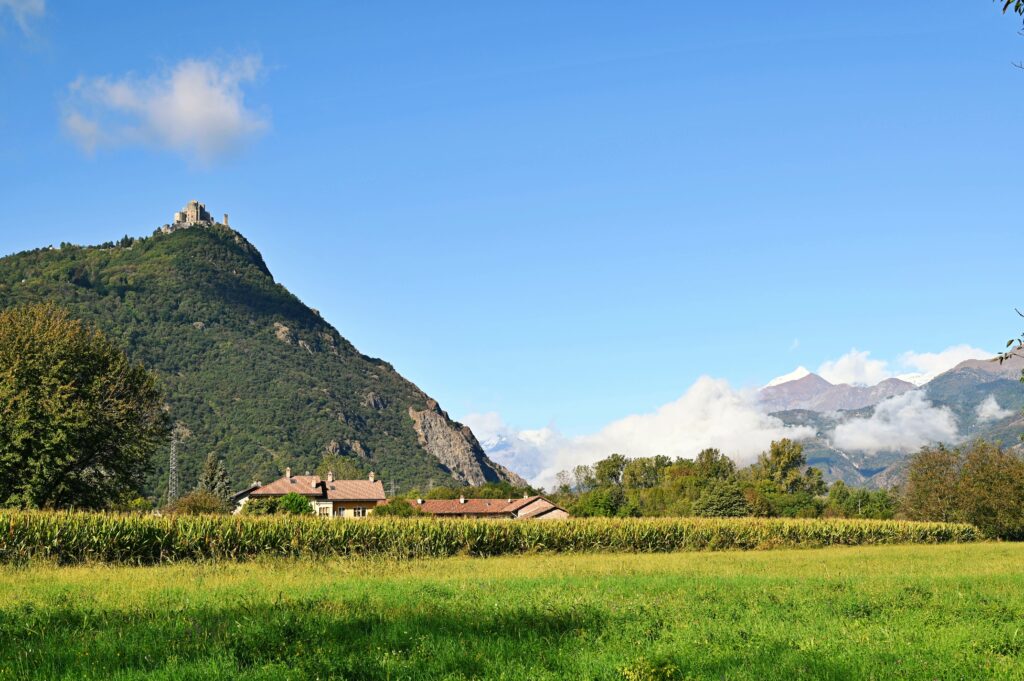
(249, 371)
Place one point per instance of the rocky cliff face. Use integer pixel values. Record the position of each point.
(455, 446)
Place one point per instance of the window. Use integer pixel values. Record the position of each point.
(359, 512)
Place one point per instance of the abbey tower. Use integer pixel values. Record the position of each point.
(194, 213)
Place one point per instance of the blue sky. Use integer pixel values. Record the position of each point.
(559, 213)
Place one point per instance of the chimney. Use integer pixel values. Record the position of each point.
(330, 476)
(288, 472)
(419, 501)
(462, 500)
(525, 495)
(372, 477)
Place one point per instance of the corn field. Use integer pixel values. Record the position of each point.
(74, 537)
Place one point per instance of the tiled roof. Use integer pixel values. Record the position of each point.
(358, 490)
(534, 510)
(471, 506)
(315, 486)
(519, 503)
(245, 492)
(306, 485)
(492, 507)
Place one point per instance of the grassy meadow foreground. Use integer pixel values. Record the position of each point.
(911, 612)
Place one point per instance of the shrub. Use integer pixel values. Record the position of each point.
(260, 506)
(294, 503)
(721, 499)
(132, 505)
(603, 501)
(397, 508)
(794, 505)
(197, 503)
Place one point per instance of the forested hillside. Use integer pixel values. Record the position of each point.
(249, 371)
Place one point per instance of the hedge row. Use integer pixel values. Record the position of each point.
(72, 537)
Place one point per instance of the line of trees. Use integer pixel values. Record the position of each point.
(779, 484)
(979, 483)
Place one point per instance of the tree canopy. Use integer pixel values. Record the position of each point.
(779, 484)
(79, 422)
(979, 483)
(213, 479)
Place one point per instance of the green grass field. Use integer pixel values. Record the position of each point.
(909, 612)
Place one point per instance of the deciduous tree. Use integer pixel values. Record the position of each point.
(991, 491)
(608, 471)
(712, 464)
(79, 422)
(930, 492)
(644, 472)
(721, 499)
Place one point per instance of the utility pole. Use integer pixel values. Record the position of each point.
(179, 432)
(172, 468)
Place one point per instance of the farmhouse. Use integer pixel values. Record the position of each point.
(328, 497)
(535, 507)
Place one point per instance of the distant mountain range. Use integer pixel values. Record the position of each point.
(981, 398)
(816, 394)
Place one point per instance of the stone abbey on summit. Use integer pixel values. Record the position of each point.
(194, 213)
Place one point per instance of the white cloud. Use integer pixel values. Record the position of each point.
(904, 423)
(196, 109)
(859, 368)
(989, 410)
(24, 11)
(855, 367)
(709, 414)
(523, 451)
(927, 365)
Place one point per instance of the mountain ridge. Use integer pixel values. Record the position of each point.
(254, 374)
(812, 392)
(962, 390)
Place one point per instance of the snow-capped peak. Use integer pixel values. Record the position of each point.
(794, 375)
